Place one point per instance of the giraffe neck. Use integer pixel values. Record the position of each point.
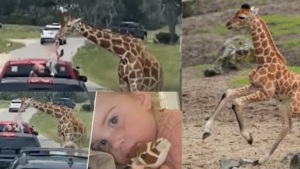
(116, 43)
(49, 109)
(264, 46)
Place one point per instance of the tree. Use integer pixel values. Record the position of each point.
(172, 9)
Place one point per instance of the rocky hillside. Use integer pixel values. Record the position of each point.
(205, 31)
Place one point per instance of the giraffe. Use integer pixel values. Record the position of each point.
(270, 79)
(71, 129)
(138, 70)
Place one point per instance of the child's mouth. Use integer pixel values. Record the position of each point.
(132, 151)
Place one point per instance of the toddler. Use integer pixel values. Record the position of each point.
(55, 54)
(124, 121)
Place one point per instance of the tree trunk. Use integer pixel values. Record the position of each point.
(172, 31)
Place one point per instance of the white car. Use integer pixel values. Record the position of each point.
(14, 105)
(48, 34)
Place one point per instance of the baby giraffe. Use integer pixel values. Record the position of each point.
(270, 79)
(152, 155)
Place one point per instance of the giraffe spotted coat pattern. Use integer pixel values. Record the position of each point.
(271, 79)
(138, 70)
(71, 129)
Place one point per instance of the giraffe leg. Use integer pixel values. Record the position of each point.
(286, 127)
(242, 101)
(225, 97)
(61, 137)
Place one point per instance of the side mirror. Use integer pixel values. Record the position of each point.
(35, 133)
(83, 78)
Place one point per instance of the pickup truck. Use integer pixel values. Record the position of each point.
(134, 29)
(15, 77)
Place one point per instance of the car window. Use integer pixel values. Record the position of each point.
(52, 162)
(132, 26)
(51, 29)
(18, 142)
(25, 128)
(24, 71)
(15, 101)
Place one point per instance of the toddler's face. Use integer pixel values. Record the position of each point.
(122, 123)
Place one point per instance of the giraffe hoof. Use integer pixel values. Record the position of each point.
(250, 141)
(205, 135)
(255, 163)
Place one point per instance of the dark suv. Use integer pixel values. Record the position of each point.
(65, 102)
(132, 28)
(12, 143)
(50, 158)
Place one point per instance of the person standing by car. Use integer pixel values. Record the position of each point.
(55, 54)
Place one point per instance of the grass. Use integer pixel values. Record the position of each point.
(200, 69)
(4, 104)
(101, 66)
(19, 32)
(3, 48)
(278, 25)
(289, 44)
(47, 125)
(242, 79)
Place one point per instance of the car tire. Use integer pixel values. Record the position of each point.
(9, 110)
(42, 42)
(65, 41)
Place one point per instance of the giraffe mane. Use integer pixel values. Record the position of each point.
(109, 31)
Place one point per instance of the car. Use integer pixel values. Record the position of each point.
(15, 77)
(27, 128)
(12, 143)
(14, 105)
(65, 102)
(50, 158)
(50, 33)
(132, 28)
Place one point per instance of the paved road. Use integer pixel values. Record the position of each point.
(6, 116)
(34, 49)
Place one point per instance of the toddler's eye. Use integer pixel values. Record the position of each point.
(114, 120)
(103, 143)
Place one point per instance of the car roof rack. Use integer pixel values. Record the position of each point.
(31, 151)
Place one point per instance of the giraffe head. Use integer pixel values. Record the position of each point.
(243, 17)
(70, 144)
(70, 24)
(25, 103)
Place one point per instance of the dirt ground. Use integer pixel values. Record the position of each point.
(200, 98)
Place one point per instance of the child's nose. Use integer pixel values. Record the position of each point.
(118, 143)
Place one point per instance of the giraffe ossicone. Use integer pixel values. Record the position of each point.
(138, 70)
(270, 79)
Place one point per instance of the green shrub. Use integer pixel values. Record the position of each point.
(165, 38)
(86, 107)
